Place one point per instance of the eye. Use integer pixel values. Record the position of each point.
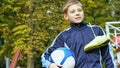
(72, 11)
(79, 10)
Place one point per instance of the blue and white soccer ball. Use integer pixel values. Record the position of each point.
(64, 57)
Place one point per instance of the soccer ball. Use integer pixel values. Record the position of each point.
(64, 57)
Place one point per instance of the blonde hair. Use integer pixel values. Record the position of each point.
(69, 3)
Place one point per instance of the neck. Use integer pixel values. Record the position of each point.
(77, 24)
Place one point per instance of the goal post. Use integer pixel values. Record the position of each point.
(113, 33)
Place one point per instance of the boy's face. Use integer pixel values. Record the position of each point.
(75, 14)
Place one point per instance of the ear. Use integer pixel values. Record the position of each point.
(65, 16)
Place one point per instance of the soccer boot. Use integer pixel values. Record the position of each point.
(97, 42)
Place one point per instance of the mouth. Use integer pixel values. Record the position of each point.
(78, 18)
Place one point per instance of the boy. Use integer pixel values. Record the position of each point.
(76, 37)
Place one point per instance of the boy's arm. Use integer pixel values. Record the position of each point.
(106, 53)
(58, 42)
(107, 56)
(45, 63)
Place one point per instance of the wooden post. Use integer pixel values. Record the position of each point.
(15, 58)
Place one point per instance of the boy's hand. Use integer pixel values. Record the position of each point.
(53, 65)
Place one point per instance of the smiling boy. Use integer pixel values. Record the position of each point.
(76, 37)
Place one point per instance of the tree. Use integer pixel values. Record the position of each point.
(115, 9)
(97, 12)
(29, 27)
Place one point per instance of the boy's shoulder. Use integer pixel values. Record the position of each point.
(65, 31)
(95, 26)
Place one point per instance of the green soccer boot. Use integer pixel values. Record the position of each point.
(97, 42)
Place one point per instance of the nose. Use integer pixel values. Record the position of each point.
(77, 13)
